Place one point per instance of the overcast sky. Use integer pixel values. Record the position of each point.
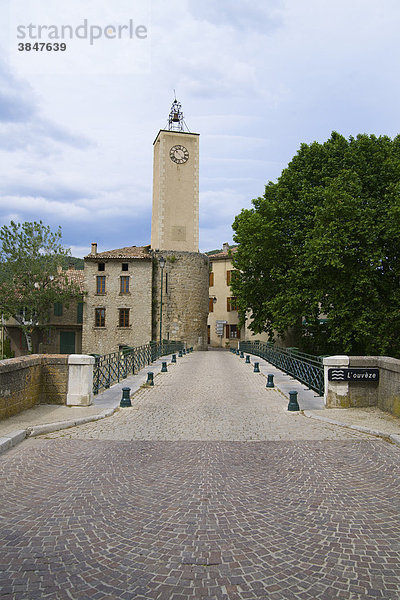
(256, 78)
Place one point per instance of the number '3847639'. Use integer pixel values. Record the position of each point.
(42, 47)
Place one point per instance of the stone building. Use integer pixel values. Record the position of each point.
(223, 318)
(62, 334)
(118, 305)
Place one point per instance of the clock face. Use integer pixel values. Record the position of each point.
(179, 154)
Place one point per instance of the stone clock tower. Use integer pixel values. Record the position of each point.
(175, 216)
(180, 271)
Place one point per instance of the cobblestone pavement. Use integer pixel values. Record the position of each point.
(208, 396)
(293, 519)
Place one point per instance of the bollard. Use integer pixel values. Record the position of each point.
(270, 382)
(248, 359)
(173, 358)
(184, 351)
(256, 367)
(293, 404)
(150, 378)
(237, 352)
(164, 368)
(241, 355)
(180, 354)
(125, 400)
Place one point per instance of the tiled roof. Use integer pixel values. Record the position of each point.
(221, 254)
(138, 252)
(75, 276)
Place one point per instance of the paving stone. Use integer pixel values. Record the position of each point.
(212, 492)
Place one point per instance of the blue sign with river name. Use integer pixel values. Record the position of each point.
(364, 375)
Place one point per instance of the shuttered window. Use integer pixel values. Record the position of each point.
(231, 304)
(100, 317)
(101, 284)
(58, 309)
(232, 332)
(123, 317)
(211, 279)
(211, 305)
(124, 286)
(79, 312)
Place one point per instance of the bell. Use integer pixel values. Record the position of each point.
(175, 118)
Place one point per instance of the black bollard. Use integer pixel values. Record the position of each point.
(164, 368)
(180, 354)
(293, 404)
(270, 382)
(248, 359)
(241, 355)
(126, 399)
(150, 378)
(256, 367)
(173, 358)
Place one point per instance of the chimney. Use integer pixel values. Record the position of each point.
(225, 247)
(94, 249)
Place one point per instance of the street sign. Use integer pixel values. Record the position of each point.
(364, 375)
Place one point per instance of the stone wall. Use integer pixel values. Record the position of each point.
(384, 394)
(185, 298)
(30, 380)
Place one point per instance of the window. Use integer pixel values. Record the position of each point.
(58, 309)
(79, 312)
(211, 279)
(101, 284)
(125, 266)
(101, 266)
(231, 304)
(124, 317)
(211, 305)
(99, 317)
(232, 332)
(230, 276)
(124, 286)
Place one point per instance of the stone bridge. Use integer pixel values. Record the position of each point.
(207, 487)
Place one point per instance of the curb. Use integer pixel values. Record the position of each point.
(12, 439)
(395, 438)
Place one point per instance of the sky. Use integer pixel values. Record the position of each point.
(255, 78)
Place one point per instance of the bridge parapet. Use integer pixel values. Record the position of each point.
(362, 381)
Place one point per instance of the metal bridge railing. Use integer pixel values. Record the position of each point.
(307, 368)
(112, 368)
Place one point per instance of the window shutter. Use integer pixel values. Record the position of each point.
(227, 331)
(211, 279)
(238, 333)
(228, 277)
(228, 304)
(79, 313)
(58, 309)
(210, 305)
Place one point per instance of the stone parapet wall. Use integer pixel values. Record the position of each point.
(30, 380)
(384, 394)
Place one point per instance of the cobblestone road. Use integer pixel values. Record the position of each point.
(126, 519)
(208, 396)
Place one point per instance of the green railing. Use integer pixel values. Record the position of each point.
(112, 368)
(307, 368)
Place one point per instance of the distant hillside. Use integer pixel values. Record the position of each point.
(73, 260)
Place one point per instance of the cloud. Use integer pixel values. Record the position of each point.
(240, 14)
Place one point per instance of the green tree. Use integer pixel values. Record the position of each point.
(324, 241)
(31, 280)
